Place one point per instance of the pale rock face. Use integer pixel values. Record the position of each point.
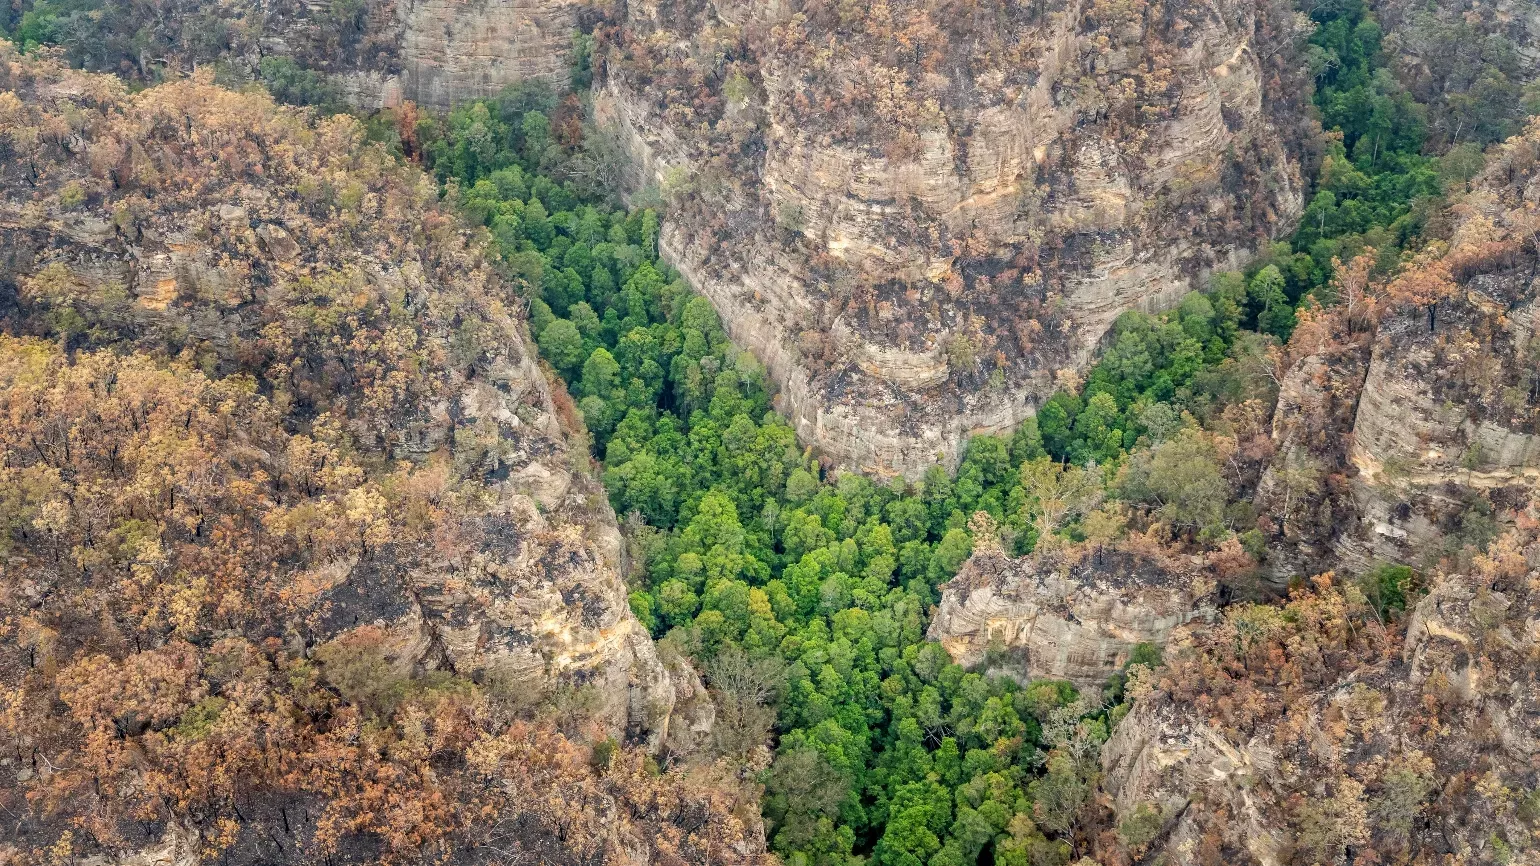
(1418, 440)
(432, 52)
(1456, 636)
(455, 50)
(1468, 650)
(901, 438)
(694, 712)
(993, 250)
(1318, 400)
(1061, 618)
(924, 232)
(1445, 416)
(1408, 438)
(1160, 758)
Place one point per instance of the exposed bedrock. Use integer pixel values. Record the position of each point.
(1072, 616)
(917, 264)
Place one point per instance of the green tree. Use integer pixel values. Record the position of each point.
(951, 553)
(1275, 312)
(537, 225)
(1095, 431)
(677, 603)
(1180, 479)
(1387, 588)
(562, 345)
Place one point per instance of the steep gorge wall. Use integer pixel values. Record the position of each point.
(1406, 436)
(375, 53)
(1315, 736)
(916, 215)
(1447, 419)
(916, 241)
(226, 245)
(1408, 431)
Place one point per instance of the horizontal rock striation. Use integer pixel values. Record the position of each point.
(1070, 616)
(1446, 423)
(1409, 416)
(1447, 434)
(450, 51)
(373, 53)
(916, 241)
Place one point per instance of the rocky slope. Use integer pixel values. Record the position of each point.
(1067, 615)
(1472, 96)
(283, 407)
(448, 51)
(224, 263)
(1407, 420)
(1331, 730)
(1310, 734)
(916, 218)
(1446, 430)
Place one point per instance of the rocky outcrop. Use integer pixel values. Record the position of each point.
(694, 713)
(1447, 431)
(1299, 735)
(1407, 418)
(1073, 616)
(1305, 496)
(326, 273)
(1337, 729)
(1161, 759)
(915, 241)
(1446, 427)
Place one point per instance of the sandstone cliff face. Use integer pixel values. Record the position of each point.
(1407, 432)
(915, 239)
(1305, 496)
(213, 226)
(917, 226)
(1446, 418)
(1162, 759)
(1407, 425)
(1447, 430)
(1066, 616)
(449, 51)
(376, 53)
